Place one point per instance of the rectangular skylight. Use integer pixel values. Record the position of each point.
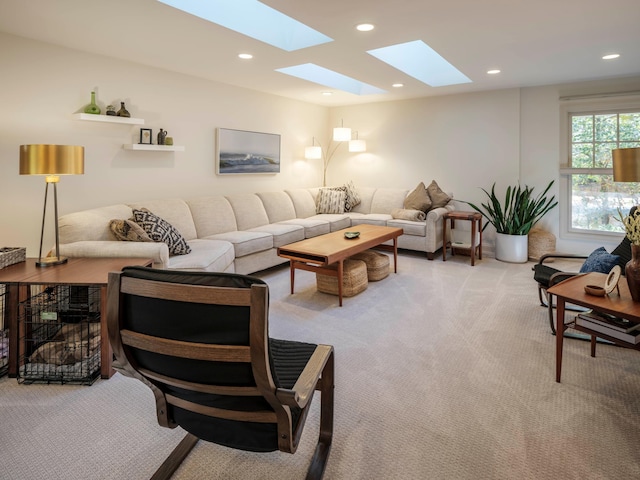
(329, 78)
(420, 61)
(254, 19)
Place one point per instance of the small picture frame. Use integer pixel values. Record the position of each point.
(146, 135)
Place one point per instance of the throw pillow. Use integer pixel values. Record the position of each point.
(159, 230)
(418, 199)
(407, 214)
(352, 197)
(128, 231)
(437, 196)
(599, 261)
(330, 201)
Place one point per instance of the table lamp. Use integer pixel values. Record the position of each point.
(626, 164)
(52, 161)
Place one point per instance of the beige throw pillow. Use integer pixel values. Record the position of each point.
(437, 196)
(418, 199)
(330, 201)
(128, 231)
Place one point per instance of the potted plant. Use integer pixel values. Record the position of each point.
(514, 218)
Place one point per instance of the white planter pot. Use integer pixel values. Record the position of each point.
(512, 248)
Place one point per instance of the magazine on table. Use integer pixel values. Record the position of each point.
(610, 321)
(631, 337)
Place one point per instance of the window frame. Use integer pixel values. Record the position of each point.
(585, 105)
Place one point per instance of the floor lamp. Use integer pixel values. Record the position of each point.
(52, 161)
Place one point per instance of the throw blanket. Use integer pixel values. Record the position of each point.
(404, 214)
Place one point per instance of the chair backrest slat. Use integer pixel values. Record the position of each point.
(191, 350)
(257, 416)
(201, 387)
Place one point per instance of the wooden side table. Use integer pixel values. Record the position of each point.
(476, 227)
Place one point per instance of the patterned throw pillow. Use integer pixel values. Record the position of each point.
(330, 201)
(599, 261)
(437, 196)
(352, 197)
(418, 199)
(128, 231)
(159, 230)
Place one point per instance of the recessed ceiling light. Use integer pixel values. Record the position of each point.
(611, 56)
(245, 56)
(327, 94)
(493, 72)
(365, 27)
(398, 85)
(422, 62)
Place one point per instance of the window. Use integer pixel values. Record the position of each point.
(593, 197)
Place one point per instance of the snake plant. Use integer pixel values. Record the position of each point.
(520, 210)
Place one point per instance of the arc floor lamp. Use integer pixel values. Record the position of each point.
(52, 161)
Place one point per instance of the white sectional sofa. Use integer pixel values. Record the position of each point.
(241, 232)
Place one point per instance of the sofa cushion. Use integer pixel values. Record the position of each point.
(303, 202)
(386, 199)
(208, 255)
(278, 205)
(246, 242)
(330, 201)
(418, 199)
(409, 227)
(312, 226)
(249, 210)
(128, 231)
(366, 198)
(90, 225)
(159, 230)
(283, 234)
(437, 196)
(212, 215)
(372, 219)
(337, 221)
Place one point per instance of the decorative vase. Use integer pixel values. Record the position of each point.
(92, 108)
(632, 272)
(512, 248)
(162, 135)
(123, 112)
(111, 110)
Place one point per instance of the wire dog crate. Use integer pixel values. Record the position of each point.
(60, 336)
(4, 332)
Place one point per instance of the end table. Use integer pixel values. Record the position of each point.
(476, 227)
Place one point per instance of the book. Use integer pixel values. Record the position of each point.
(631, 337)
(611, 321)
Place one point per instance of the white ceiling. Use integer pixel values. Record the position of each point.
(533, 42)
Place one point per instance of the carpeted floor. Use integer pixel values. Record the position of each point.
(443, 371)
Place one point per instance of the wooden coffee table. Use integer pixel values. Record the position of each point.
(317, 253)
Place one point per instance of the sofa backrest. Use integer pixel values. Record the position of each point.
(212, 215)
(278, 205)
(173, 210)
(91, 224)
(386, 199)
(249, 210)
(303, 202)
(366, 197)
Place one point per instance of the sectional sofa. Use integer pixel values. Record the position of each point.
(241, 232)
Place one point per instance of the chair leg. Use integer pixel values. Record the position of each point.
(173, 461)
(321, 454)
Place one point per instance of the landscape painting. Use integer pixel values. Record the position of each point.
(239, 151)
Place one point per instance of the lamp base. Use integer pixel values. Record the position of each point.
(51, 261)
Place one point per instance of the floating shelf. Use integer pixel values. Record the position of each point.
(108, 119)
(154, 148)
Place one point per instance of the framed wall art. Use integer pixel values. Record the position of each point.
(145, 136)
(240, 152)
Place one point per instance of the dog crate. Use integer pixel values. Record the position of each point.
(59, 340)
(4, 332)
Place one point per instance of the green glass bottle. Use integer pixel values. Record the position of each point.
(92, 108)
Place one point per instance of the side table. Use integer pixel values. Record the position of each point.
(476, 228)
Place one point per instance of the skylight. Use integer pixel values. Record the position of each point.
(329, 78)
(254, 19)
(420, 61)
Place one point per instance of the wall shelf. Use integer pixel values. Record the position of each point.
(108, 119)
(154, 148)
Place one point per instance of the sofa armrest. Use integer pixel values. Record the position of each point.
(157, 251)
(435, 215)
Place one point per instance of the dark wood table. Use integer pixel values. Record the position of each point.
(77, 271)
(476, 226)
(617, 304)
(317, 253)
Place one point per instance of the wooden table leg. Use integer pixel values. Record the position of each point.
(560, 328)
(444, 239)
(395, 255)
(593, 345)
(480, 238)
(292, 274)
(106, 352)
(473, 242)
(340, 270)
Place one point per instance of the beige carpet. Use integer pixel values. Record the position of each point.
(444, 371)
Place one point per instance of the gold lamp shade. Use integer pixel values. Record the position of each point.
(626, 164)
(51, 160)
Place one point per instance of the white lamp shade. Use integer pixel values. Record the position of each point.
(341, 134)
(313, 153)
(357, 146)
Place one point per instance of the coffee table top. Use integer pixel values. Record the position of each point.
(332, 247)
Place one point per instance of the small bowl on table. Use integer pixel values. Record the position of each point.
(351, 235)
(595, 290)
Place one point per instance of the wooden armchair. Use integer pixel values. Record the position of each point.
(200, 342)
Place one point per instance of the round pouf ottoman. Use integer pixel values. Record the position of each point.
(541, 242)
(354, 279)
(377, 264)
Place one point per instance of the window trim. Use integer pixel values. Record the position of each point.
(587, 104)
